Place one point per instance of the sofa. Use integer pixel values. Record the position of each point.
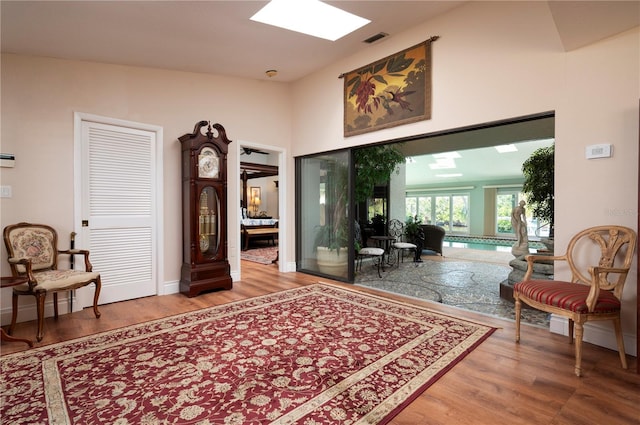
(433, 237)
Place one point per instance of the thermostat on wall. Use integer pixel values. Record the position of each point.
(599, 151)
(7, 160)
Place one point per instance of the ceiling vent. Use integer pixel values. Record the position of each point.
(376, 37)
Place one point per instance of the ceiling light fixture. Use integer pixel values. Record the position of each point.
(449, 175)
(443, 163)
(311, 17)
(447, 155)
(506, 148)
(271, 73)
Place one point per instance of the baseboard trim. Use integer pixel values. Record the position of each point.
(595, 334)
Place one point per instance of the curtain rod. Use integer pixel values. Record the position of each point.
(429, 40)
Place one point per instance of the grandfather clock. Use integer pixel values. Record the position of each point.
(205, 265)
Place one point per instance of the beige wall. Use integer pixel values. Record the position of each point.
(498, 60)
(40, 96)
(493, 61)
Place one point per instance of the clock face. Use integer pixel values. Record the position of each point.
(204, 243)
(208, 164)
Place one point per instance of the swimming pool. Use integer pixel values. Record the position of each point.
(486, 244)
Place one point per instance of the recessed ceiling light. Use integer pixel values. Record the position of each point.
(506, 148)
(311, 17)
(449, 175)
(445, 155)
(443, 164)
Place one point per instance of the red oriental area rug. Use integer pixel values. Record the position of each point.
(319, 354)
(260, 255)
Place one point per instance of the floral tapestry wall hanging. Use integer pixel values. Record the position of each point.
(393, 91)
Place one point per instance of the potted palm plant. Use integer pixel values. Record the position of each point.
(538, 186)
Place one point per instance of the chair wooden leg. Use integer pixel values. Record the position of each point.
(6, 337)
(518, 311)
(571, 326)
(14, 312)
(579, 333)
(620, 338)
(55, 305)
(95, 297)
(40, 297)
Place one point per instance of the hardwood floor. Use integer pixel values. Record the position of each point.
(500, 382)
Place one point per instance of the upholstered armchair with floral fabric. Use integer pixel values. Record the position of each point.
(33, 253)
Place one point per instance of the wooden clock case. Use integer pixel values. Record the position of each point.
(205, 264)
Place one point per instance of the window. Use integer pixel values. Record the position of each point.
(450, 211)
(506, 201)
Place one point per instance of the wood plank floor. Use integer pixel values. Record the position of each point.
(500, 382)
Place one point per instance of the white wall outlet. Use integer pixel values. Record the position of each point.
(5, 191)
(603, 150)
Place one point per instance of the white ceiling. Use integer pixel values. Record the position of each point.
(202, 36)
(473, 165)
(217, 37)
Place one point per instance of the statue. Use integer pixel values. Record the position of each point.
(519, 226)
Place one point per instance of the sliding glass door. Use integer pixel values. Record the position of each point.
(324, 243)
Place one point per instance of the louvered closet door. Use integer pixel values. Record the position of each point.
(119, 206)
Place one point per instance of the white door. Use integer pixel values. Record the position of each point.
(118, 209)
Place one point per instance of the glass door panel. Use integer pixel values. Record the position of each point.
(443, 212)
(324, 245)
(460, 213)
(208, 222)
(425, 209)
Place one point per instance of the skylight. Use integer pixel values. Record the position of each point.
(311, 17)
(506, 148)
(444, 160)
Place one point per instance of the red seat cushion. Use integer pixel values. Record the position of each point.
(566, 295)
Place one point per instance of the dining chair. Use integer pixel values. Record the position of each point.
(599, 259)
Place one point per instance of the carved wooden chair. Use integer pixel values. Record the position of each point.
(33, 253)
(396, 230)
(599, 259)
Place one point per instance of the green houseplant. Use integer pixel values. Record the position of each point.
(332, 237)
(379, 222)
(412, 229)
(538, 185)
(374, 165)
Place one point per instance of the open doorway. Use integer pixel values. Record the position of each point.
(467, 182)
(481, 174)
(262, 199)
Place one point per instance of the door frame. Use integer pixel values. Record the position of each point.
(85, 298)
(283, 219)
